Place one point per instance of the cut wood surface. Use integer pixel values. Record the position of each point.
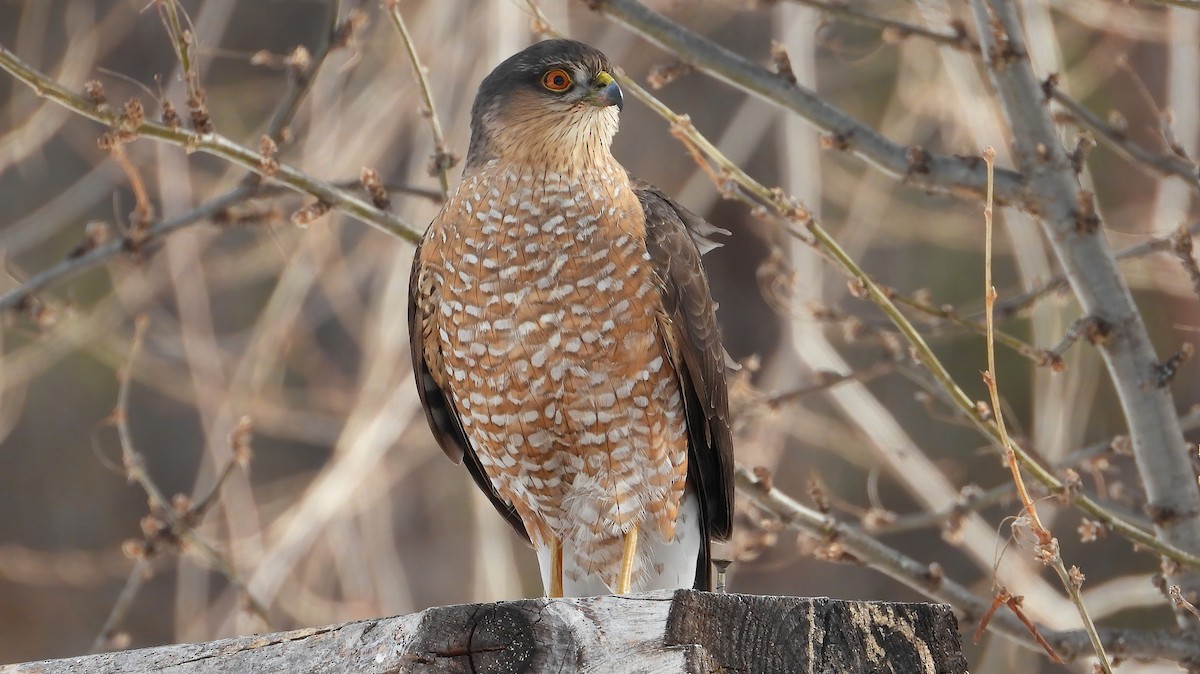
(685, 631)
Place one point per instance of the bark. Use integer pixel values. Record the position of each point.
(686, 631)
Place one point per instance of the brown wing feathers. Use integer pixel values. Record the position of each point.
(695, 340)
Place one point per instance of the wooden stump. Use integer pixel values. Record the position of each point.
(685, 631)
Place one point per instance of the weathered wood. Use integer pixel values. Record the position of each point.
(659, 632)
(754, 633)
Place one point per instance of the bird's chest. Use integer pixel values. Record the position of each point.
(541, 264)
(546, 315)
(548, 306)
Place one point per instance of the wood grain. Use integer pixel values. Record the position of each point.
(685, 631)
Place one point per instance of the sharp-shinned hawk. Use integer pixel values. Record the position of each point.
(564, 340)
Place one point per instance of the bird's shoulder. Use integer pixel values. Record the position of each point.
(669, 222)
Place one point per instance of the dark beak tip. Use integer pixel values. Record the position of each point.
(611, 95)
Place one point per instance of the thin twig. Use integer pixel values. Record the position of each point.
(1068, 215)
(1178, 599)
(989, 378)
(858, 546)
(182, 41)
(135, 470)
(1181, 244)
(918, 168)
(893, 28)
(98, 255)
(1163, 163)
(1047, 548)
(171, 524)
(91, 253)
(143, 211)
(116, 615)
(1039, 356)
(826, 381)
(132, 460)
(1005, 491)
(1186, 4)
(217, 145)
(239, 444)
(1005, 598)
(443, 159)
(301, 78)
(179, 41)
(1072, 580)
(1010, 306)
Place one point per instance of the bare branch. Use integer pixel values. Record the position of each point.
(1012, 305)
(1039, 356)
(1181, 243)
(918, 167)
(892, 28)
(100, 254)
(861, 547)
(1047, 550)
(300, 76)
(217, 145)
(1073, 228)
(1186, 4)
(170, 523)
(182, 39)
(107, 637)
(443, 159)
(1164, 163)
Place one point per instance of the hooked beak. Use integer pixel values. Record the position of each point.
(607, 91)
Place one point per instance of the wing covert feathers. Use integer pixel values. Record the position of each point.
(673, 239)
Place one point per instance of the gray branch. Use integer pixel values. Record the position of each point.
(1164, 163)
(917, 166)
(210, 143)
(97, 255)
(852, 545)
(1074, 230)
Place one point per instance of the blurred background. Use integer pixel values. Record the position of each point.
(346, 508)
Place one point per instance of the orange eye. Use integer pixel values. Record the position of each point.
(556, 80)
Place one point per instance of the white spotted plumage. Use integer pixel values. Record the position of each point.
(559, 309)
(556, 336)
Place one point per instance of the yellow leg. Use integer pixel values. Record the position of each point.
(556, 588)
(628, 555)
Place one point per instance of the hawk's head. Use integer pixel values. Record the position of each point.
(553, 101)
